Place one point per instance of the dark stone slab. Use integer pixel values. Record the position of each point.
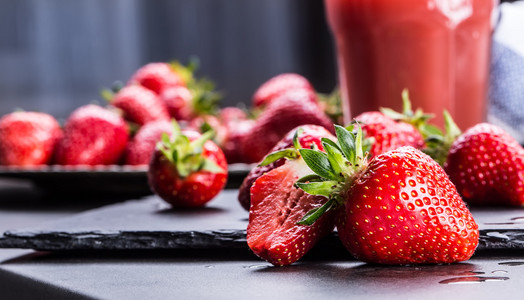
(149, 223)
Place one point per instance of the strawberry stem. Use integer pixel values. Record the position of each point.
(334, 171)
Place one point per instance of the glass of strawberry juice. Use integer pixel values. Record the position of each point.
(437, 49)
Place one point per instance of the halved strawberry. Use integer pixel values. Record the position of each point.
(28, 138)
(487, 166)
(187, 168)
(276, 207)
(401, 208)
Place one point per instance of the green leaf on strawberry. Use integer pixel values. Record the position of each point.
(187, 155)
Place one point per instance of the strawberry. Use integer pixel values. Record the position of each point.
(141, 148)
(232, 114)
(28, 138)
(487, 166)
(205, 123)
(276, 207)
(140, 105)
(308, 136)
(387, 133)
(178, 102)
(93, 135)
(278, 85)
(187, 169)
(401, 208)
(156, 77)
(284, 113)
(232, 144)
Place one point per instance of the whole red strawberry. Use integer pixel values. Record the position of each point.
(232, 144)
(187, 169)
(156, 77)
(140, 105)
(307, 136)
(232, 114)
(276, 207)
(278, 85)
(284, 113)
(93, 135)
(28, 138)
(401, 208)
(487, 166)
(178, 100)
(387, 133)
(141, 148)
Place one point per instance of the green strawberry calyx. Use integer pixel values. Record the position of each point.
(438, 144)
(418, 118)
(205, 97)
(334, 171)
(186, 155)
(287, 153)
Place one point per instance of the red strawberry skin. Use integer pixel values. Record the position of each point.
(178, 100)
(232, 144)
(93, 135)
(311, 135)
(279, 85)
(403, 209)
(28, 138)
(193, 191)
(276, 207)
(487, 166)
(286, 112)
(140, 149)
(140, 105)
(156, 77)
(388, 134)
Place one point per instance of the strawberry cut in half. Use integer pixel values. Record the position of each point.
(401, 208)
(187, 168)
(277, 205)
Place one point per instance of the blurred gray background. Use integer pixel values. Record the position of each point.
(56, 55)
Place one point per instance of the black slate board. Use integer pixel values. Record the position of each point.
(113, 180)
(149, 223)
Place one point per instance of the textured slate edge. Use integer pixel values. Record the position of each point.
(97, 240)
(234, 238)
(501, 239)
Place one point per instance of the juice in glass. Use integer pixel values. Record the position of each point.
(438, 49)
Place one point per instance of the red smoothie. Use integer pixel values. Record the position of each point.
(438, 49)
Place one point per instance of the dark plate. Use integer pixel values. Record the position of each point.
(107, 180)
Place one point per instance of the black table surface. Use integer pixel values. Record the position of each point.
(225, 273)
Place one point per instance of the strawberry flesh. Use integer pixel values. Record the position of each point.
(276, 207)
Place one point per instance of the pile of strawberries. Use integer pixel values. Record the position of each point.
(393, 185)
(127, 129)
(390, 202)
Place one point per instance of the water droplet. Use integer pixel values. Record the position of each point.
(499, 272)
(512, 263)
(255, 266)
(210, 267)
(472, 279)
